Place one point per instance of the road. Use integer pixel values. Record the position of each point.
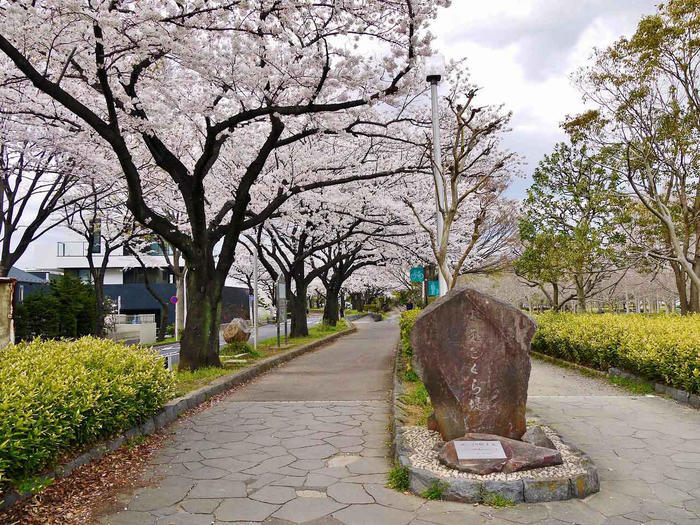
(264, 332)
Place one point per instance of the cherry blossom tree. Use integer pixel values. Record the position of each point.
(479, 223)
(35, 175)
(208, 93)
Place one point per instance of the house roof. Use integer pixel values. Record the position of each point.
(24, 277)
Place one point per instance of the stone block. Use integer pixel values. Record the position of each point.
(464, 490)
(513, 490)
(147, 427)
(540, 490)
(519, 456)
(472, 351)
(584, 484)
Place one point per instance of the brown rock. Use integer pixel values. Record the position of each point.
(519, 456)
(237, 330)
(536, 436)
(472, 351)
(432, 423)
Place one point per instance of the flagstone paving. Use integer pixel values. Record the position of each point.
(306, 443)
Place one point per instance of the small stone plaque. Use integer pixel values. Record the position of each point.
(479, 450)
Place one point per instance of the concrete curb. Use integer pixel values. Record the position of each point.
(173, 408)
(528, 490)
(679, 395)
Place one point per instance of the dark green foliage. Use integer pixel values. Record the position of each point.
(238, 347)
(410, 376)
(397, 478)
(436, 490)
(65, 309)
(496, 500)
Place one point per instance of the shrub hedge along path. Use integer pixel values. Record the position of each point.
(308, 442)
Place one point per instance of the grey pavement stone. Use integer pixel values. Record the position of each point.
(373, 515)
(243, 509)
(274, 494)
(218, 489)
(184, 518)
(392, 498)
(128, 517)
(313, 452)
(369, 466)
(300, 510)
(156, 497)
(349, 493)
(199, 505)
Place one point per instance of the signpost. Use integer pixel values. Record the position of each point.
(173, 301)
(417, 274)
(281, 308)
(433, 288)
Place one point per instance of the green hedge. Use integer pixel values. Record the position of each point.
(58, 395)
(663, 348)
(408, 319)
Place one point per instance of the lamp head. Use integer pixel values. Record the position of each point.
(434, 68)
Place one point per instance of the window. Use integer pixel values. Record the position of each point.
(96, 233)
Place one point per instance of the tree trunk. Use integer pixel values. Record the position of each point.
(580, 296)
(694, 299)
(298, 310)
(99, 305)
(200, 340)
(180, 305)
(331, 309)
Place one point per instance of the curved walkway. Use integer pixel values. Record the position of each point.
(306, 443)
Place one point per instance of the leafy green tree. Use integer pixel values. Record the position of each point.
(64, 309)
(647, 92)
(570, 229)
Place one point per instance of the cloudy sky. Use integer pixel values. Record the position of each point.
(522, 53)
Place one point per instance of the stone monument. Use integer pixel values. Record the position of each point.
(237, 330)
(472, 352)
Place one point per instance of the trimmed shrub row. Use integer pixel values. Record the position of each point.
(406, 322)
(663, 348)
(57, 395)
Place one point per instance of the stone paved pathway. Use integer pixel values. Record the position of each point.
(307, 443)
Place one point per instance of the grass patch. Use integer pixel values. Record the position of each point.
(436, 490)
(315, 332)
(397, 479)
(632, 385)
(410, 376)
(186, 380)
(496, 500)
(166, 341)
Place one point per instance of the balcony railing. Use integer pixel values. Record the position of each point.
(72, 249)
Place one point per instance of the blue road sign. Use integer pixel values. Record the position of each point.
(433, 288)
(417, 274)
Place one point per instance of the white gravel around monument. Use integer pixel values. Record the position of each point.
(424, 445)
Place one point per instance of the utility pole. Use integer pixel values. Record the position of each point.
(435, 68)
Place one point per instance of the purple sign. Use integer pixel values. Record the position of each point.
(173, 299)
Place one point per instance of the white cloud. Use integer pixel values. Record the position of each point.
(522, 52)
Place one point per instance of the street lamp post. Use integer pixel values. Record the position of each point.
(434, 70)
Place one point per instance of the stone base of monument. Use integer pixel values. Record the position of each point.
(421, 450)
(487, 453)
